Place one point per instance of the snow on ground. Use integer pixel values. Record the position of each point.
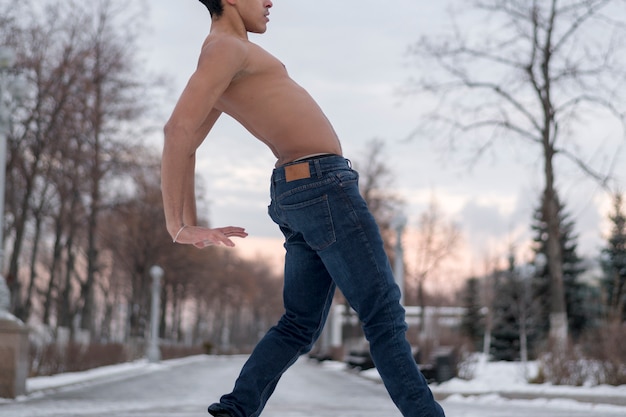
(493, 383)
(488, 378)
(47, 383)
(512, 377)
(510, 380)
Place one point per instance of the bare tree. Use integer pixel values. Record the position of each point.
(437, 240)
(376, 186)
(40, 119)
(111, 98)
(74, 135)
(134, 239)
(240, 296)
(532, 72)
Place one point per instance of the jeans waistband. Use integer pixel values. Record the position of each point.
(312, 167)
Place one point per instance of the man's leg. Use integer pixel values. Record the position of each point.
(324, 217)
(360, 268)
(308, 293)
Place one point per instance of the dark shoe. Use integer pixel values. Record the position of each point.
(216, 411)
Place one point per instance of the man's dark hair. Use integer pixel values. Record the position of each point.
(216, 8)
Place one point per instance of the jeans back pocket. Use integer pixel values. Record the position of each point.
(313, 219)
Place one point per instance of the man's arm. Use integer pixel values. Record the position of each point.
(187, 175)
(192, 119)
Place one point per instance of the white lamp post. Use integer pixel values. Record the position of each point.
(399, 223)
(153, 352)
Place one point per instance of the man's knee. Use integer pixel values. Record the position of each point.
(298, 332)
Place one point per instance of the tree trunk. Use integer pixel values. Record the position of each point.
(56, 260)
(65, 313)
(28, 304)
(558, 313)
(20, 225)
(94, 209)
(421, 300)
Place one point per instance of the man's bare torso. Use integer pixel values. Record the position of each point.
(276, 110)
(238, 78)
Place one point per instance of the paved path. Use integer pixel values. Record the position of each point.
(309, 389)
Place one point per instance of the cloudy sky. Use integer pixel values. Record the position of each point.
(352, 57)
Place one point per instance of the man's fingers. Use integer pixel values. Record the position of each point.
(206, 243)
(223, 239)
(218, 238)
(226, 232)
(201, 237)
(233, 231)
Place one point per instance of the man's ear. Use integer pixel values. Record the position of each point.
(231, 2)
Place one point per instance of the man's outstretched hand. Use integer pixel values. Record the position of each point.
(201, 237)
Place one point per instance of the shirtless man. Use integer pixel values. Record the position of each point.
(331, 239)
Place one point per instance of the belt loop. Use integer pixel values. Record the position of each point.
(349, 163)
(318, 168)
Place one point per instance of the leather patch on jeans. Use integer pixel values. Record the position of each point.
(297, 171)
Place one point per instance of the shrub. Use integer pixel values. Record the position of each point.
(600, 358)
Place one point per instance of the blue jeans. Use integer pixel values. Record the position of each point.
(331, 239)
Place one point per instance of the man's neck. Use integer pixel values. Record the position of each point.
(229, 24)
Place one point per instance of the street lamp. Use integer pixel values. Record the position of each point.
(7, 60)
(153, 352)
(399, 223)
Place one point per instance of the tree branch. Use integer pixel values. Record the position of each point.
(592, 10)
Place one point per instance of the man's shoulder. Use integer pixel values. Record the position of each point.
(224, 44)
(249, 55)
(223, 53)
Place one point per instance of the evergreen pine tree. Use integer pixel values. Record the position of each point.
(614, 263)
(472, 325)
(577, 294)
(505, 334)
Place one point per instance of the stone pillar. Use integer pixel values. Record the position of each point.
(13, 358)
(14, 362)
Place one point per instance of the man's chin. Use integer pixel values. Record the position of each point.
(258, 30)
